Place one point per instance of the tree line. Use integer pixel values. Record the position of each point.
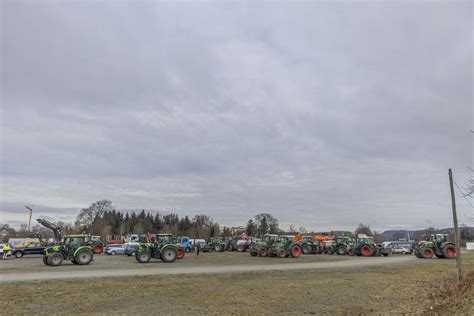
(101, 218)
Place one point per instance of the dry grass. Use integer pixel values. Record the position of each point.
(425, 287)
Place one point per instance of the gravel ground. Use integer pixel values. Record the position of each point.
(173, 269)
(32, 268)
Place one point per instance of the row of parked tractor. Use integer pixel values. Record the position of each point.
(80, 248)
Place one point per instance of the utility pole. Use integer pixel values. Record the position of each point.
(29, 219)
(457, 238)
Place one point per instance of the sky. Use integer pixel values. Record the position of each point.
(324, 114)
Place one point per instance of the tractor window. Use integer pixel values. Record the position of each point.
(76, 241)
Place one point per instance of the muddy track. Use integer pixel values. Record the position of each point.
(352, 263)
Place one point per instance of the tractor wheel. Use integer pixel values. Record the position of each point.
(143, 257)
(98, 249)
(55, 259)
(316, 249)
(84, 257)
(253, 253)
(168, 255)
(427, 253)
(295, 251)
(417, 253)
(263, 252)
(240, 249)
(306, 249)
(218, 248)
(180, 253)
(19, 254)
(281, 253)
(45, 260)
(341, 250)
(350, 252)
(367, 251)
(449, 252)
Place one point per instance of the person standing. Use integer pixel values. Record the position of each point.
(6, 250)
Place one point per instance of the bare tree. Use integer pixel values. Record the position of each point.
(87, 215)
(363, 229)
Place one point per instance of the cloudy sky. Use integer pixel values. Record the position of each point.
(325, 114)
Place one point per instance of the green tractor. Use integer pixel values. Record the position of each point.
(344, 245)
(365, 246)
(309, 245)
(231, 244)
(159, 249)
(165, 239)
(260, 248)
(217, 244)
(436, 245)
(73, 248)
(273, 246)
(284, 247)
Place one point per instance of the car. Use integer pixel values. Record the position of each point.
(401, 247)
(130, 248)
(114, 249)
(33, 249)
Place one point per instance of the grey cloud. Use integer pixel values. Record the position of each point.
(325, 114)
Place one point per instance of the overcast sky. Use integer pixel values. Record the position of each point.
(325, 114)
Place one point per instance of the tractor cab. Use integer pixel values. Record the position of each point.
(440, 238)
(76, 240)
(269, 238)
(286, 238)
(165, 238)
(364, 239)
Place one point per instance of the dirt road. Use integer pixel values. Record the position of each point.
(354, 262)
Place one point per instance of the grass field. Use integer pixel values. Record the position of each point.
(425, 287)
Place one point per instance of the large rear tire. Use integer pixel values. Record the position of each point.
(169, 254)
(218, 248)
(316, 249)
(449, 252)
(143, 257)
(341, 250)
(84, 257)
(240, 249)
(281, 253)
(366, 251)
(306, 249)
(45, 260)
(427, 253)
(55, 259)
(263, 252)
(295, 251)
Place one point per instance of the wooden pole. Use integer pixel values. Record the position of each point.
(457, 236)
